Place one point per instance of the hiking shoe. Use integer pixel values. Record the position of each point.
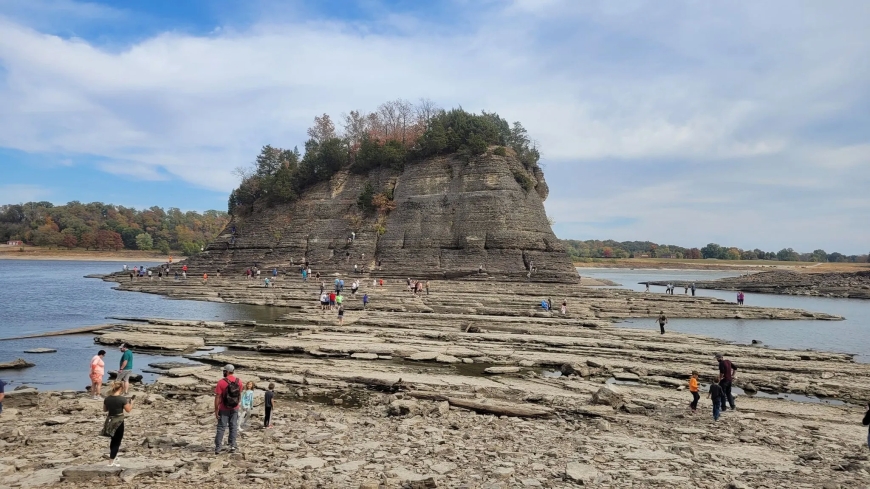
(233, 449)
(217, 451)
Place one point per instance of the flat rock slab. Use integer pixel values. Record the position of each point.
(84, 473)
(651, 455)
(582, 473)
(151, 340)
(424, 356)
(56, 421)
(501, 370)
(447, 359)
(41, 350)
(305, 463)
(365, 356)
(185, 371)
(16, 364)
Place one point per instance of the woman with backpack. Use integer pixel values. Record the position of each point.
(227, 398)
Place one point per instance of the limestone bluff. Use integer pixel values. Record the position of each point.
(465, 193)
(450, 217)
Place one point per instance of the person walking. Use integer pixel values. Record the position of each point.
(693, 389)
(340, 315)
(564, 308)
(338, 300)
(427, 287)
(2, 394)
(865, 422)
(115, 406)
(247, 405)
(726, 377)
(718, 398)
(324, 301)
(693, 289)
(365, 300)
(269, 404)
(227, 397)
(126, 367)
(98, 369)
(647, 287)
(662, 320)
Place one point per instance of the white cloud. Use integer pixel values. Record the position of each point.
(635, 85)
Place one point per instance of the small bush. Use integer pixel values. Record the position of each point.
(499, 151)
(523, 179)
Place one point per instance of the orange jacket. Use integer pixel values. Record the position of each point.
(693, 385)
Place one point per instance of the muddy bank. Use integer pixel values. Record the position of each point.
(854, 285)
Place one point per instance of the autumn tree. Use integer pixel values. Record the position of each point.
(322, 130)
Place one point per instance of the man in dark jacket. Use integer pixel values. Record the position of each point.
(726, 376)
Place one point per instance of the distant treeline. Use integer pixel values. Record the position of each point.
(579, 250)
(109, 227)
(396, 134)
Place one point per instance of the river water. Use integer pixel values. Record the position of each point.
(849, 336)
(39, 296)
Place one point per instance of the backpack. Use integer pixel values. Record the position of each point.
(232, 395)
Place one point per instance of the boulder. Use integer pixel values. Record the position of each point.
(608, 395)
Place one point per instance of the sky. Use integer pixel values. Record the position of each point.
(743, 123)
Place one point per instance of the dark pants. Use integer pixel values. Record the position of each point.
(268, 417)
(662, 326)
(726, 388)
(115, 444)
(695, 397)
(227, 418)
(715, 409)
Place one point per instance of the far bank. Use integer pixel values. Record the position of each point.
(37, 253)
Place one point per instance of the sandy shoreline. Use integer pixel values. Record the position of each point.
(12, 253)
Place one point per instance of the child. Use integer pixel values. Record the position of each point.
(269, 404)
(365, 300)
(340, 315)
(693, 388)
(247, 404)
(716, 394)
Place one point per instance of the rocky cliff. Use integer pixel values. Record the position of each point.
(451, 216)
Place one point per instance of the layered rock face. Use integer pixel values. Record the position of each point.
(451, 217)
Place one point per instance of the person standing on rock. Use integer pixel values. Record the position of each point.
(247, 405)
(3, 394)
(340, 315)
(740, 297)
(686, 292)
(693, 289)
(365, 300)
(324, 301)
(564, 309)
(269, 404)
(331, 300)
(427, 287)
(227, 398)
(727, 370)
(115, 406)
(647, 287)
(718, 398)
(693, 389)
(662, 320)
(865, 422)
(126, 367)
(338, 300)
(98, 369)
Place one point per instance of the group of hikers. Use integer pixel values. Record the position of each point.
(719, 391)
(138, 272)
(547, 305)
(233, 403)
(417, 286)
(669, 289)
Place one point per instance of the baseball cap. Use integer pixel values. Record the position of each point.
(229, 368)
(717, 355)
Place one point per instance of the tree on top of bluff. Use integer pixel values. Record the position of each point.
(396, 134)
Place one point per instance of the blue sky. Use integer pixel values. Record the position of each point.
(743, 123)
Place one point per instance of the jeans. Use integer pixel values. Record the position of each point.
(868, 438)
(715, 409)
(115, 444)
(268, 417)
(231, 418)
(662, 326)
(726, 388)
(695, 398)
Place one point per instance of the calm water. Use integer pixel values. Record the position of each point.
(40, 296)
(849, 336)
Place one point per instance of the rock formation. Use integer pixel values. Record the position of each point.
(451, 217)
